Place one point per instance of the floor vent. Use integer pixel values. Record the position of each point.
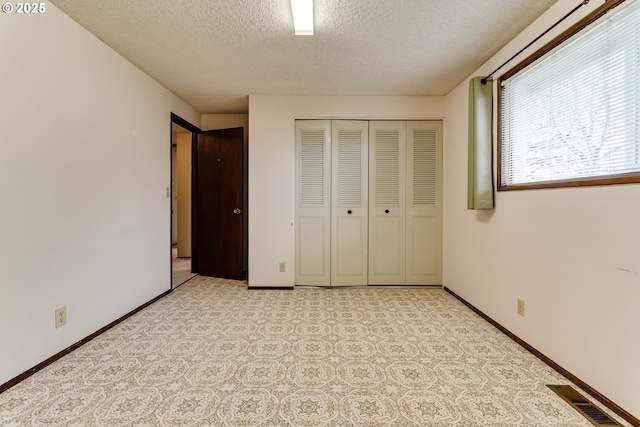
(583, 406)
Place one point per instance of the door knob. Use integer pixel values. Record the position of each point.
(386, 211)
(237, 211)
(349, 211)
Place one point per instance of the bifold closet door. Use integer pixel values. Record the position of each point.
(368, 202)
(424, 203)
(313, 202)
(349, 207)
(405, 192)
(387, 202)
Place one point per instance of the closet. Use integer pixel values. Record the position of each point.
(368, 202)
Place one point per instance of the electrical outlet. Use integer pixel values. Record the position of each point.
(61, 317)
(520, 308)
(283, 267)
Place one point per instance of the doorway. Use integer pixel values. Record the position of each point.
(209, 202)
(182, 136)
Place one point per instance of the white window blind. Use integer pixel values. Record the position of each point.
(574, 113)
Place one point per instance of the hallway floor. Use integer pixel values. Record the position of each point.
(180, 269)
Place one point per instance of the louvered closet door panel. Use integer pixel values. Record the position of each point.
(349, 203)
(313, 202)
(424, 203)
(387, 202)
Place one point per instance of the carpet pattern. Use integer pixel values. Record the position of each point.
(213, 353)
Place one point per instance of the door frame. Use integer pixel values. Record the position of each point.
(175, 119)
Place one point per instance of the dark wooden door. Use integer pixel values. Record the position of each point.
(217, 197)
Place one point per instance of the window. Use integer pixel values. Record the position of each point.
(570, 115)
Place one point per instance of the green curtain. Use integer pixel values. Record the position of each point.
(480, 187)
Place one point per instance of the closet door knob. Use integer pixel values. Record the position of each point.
(386, 211)
(349, 211)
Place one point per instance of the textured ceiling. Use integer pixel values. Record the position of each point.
(214, 53)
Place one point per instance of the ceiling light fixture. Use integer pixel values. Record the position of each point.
(302, 17)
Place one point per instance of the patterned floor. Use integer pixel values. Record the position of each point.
(213, 353)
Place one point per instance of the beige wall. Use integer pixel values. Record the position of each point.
(272, 163)
(85, 214)
(183, 175)
(564, 251)
(174, 190)
(222, 121)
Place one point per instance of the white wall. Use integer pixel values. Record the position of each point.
(84, 167)
(561, 250)
(271, 166)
